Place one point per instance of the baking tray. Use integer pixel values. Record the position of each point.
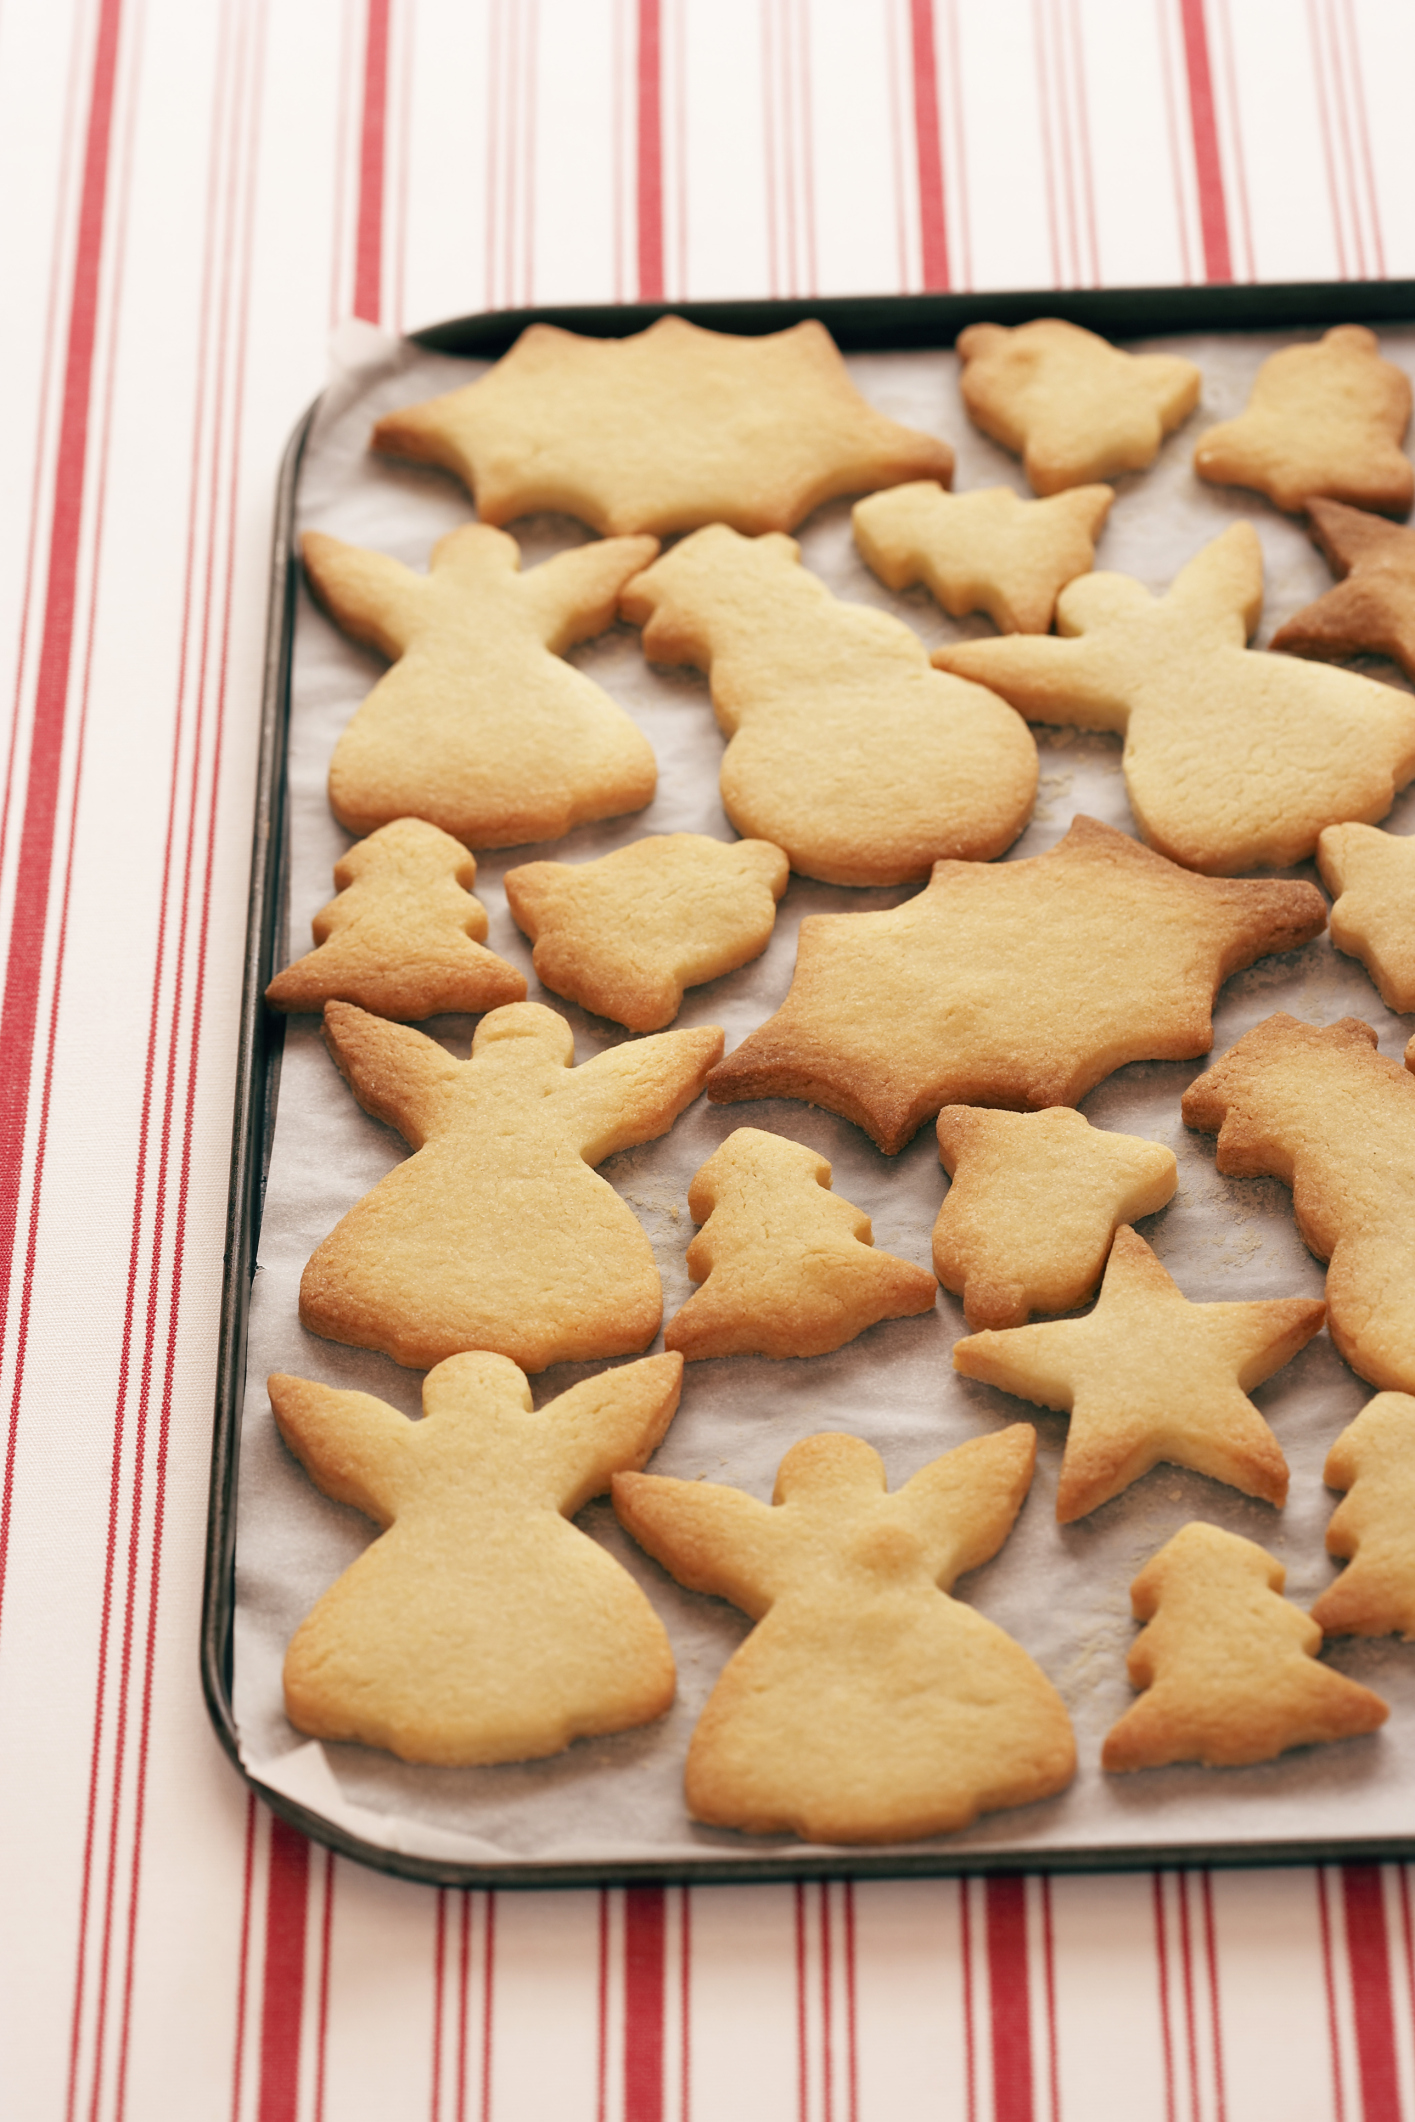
(860, 325)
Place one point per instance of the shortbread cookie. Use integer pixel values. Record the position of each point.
(984, 552)
(1371, 876)
(1035, 1201)
(1011, 983)
(1372, 611)
(1229, 1666)
(481, 1626)
(1233, 757)
(1325, 419)
(625, 935)
(846, 749)
(498, 1234)
(481, 726)
(404, 937)
(1148, 1376)
(1070, 405)
(866, 1705)
(1374, 1457)
(787, 1267)
(668, 429)
(1317, 1107)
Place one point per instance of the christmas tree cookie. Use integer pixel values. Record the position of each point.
(983, 552)
(1373, 1458)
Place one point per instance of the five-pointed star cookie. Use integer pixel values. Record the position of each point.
(987, 552)
(1072, 406)
(664, 431)
(1372, 611)
(1325, 419)
(1371, 874)
(1149, 1376)
(1011, 983)
(1233, 757)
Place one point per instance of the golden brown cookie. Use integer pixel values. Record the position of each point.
(1035, 1201)
(1013, 983)
(481, 726)
(1229, 1666)
(625, 935)
(866, 1705)
(1371, 876)
(497, 1233)
(1317, 1107)
(1371, 612)
(665, 430)
(1148, 1376)
(1374, 1457)
(1324, 419)
(481, 1626)
(846, 749)
(984, 552)
(787, 1267)
(404, 937)
(1233, 756)
(1070, 405)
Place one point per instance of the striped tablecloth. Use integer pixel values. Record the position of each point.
(193, 192)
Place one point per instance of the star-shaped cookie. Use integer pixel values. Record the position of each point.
(666, 430)
(1149, 1376)
(1371, 875)
(1371, 612)
(1019, 984)
(987, 552)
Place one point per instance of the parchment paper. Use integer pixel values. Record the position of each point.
(1062, 1592)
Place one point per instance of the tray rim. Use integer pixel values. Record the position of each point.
(859, 324)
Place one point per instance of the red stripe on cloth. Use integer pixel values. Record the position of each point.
(1213, 207)
(933, 227)
(1006, 1903)
(488, 1993)
(1363, 130)
(283, 1995)
(1186, 1962)
(602, 2009)
(1206, 1887)
(326, 1939)
(1338, 2107)
(243, 1977)
(650, 151)
(439, 1962)
(852, 2052)
(827, 1972)
(373, 136)
(803, 2093)
(970, 2061)
(1162, 1972)
(1049, 1962)
(644, 1928)
(1368, 1958)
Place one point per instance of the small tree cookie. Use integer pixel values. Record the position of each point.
(481, 726)
(497, 1233)
(404, 937)
(1371, 875)
(845, 750)
(1229, 1666)
(1035, 1202)
(787, 1267)
(1372, 611)
(625, 935)
(482, 1626)
(985, 552)
(866, 1705)
(1374, 1528)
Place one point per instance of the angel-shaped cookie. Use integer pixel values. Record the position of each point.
(482, 1626)
(404, 937)
(866, 1705)
(1036, 1200)
(1371, 612)
(1374, 1525)
(1233, 756)
(988, 551)
(497, 1233)
(1371, 876)
(481, 726)
(787, 1267)
(845, 749)
(1228, 1665)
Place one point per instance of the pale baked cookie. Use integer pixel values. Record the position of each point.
(1233, 756)
(866, 1705)
(497, 1234)
(1229, 1666)
(1371, 876)
(1372, 611)
(1324, 419)
(404, 937)
(787, 1267)
(1073, 407)
(1374, 1527)
(481, 726)
(625, 935)
(1011, 983)
(482, 1626)
(1317, 1107)
(1148, 1376)
(846, 749)
(668, 429)
(983, 552)
(1035, 1201)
